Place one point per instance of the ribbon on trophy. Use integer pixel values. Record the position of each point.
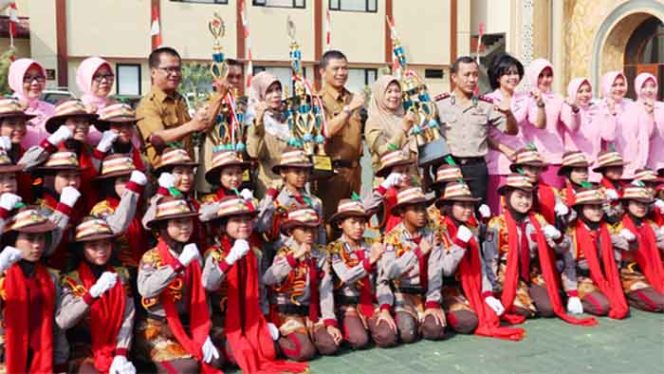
(432, 148)
(305, 114)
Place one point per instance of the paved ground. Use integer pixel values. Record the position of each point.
(635, 345)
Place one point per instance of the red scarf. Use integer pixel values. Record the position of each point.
(470, 274)
(546, 261)
(389, 200)
(607, 183)
(244, 324)
(24, 180)
(569, 193)
(314, 295)
(136, 236)
(546, 199)
(29, 313)
(106, 317)
(90, 193)
(137, 159)
(647, 255)
(199, 316)
(366, 301)
(605, 274)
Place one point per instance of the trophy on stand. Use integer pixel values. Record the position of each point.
(304, 114)
(432, 148)
(228, 131)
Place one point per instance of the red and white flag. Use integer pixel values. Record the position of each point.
(155, 28)
(396, 67)
(12, 12)
(328, 31)
(247, 43)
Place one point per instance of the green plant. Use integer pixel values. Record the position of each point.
(5, 61)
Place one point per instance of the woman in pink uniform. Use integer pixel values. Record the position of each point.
(544, 128)
(585, 130)
(633, 124)
(505, 73)
(646, 89)
(95, 78)
(27, 78)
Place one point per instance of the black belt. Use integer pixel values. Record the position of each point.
(299, 310)
(411, 290)
(450, 281)
(469, 160)
(345, 164)
(583, 272)
(346, 300)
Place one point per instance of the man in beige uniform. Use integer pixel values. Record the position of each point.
(343, 132)
(163, 112)
(466, 120)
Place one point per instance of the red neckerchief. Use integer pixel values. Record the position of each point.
(199, 316)
(569, 193)
(605, 273)
(647, 255)
(366, 301)
(244, 325)
(546, 202)
(89, 191)
(423, 265)
(389, 200)
(221, 193)
(546, 262)
(137, 159)
(314, 292)
(200, 236)
(136, 236)
(607, 183)
(470, 274)
(106, 317)
(29, 308)
(24, 179)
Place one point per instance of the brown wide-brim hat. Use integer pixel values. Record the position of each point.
(515, 182)
(91, 229)
(60, 161)
(12, 108)
(53, 123)
(17, 114)
(571, 160)
(222, 160)
(410, 196)
(119, 113)
(527, 157)
(106, 125)
(10, 168)
(293, 158)
(291, 224)
(173, 157)
(172, 208)
(457, 192)
(640, 194)
(589, 196)
(391, 159)
(514, 167)
(302, 217)
(114, 166)
(349, 208)
(234, 206)
(30, 220)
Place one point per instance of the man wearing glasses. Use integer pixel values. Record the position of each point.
(163, 111)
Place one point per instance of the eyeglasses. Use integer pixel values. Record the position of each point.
(100, 77)
(174, 70)
(29, 78)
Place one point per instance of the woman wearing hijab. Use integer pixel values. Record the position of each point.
(646, 88)
(544, 128)
(27, 78)
(95, 78)
(584, 129)
(268, 138)
(388, 125)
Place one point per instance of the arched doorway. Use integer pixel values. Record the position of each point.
(645, 53)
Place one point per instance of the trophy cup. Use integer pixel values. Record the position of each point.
(432, 148)
(304, 114)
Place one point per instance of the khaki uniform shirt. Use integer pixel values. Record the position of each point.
(346, 145)
(158, 111)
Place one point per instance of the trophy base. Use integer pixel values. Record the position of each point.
(433, 153)
(322, 167)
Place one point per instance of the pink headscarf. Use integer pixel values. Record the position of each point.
(574, 86)
(640, 80)
(86, 70)
(607, 82)
(535, 68)
(259, 85)
(43, 110)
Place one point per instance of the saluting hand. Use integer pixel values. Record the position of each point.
(357, 102)
(377, 250)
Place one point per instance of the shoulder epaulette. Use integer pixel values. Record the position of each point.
(497, 222)
(73, 282)
(485, 98)
(101, 208)
(214, 251)
(151, 257)
(334, 247)
(441, 96)
(209, 198)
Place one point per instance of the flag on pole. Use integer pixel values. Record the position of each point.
(155, 28)
(396, 67)
(12, 12)
(247, 43)
(328, 31)
(479, 42)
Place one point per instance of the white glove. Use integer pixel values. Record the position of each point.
(574, 305)
(166, 180)
(63, 133)
(9, 200)
(392, 180)
(209, 351)
(561, 209)
(611, 194)
(105, 282)
(69, 196)
(485, 211)
(659, 204)
(5, 143)
(627, 235)
(551, 232)
(138, 177)
(207, 212)
(239, 250)
(247, 195)
(495, 304)
(464, 234)
(107, 139)
(189, 253)
(121, 365)
(274, 331)
(8, 257)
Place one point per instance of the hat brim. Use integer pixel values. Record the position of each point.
(54, 122)
(563, 169)
(152, 222)
(461, 199)
(502, 190)
(590, 202)
(639, 199)
(340, 216)
(170, 167)
(385, 171)
(10, 168)
(95, 237)
(251, 214)
(38, 228)
(115, 174)
(290, 224)
(437, 184)
(55, 169)
(616, 164)
(305, 165)
(397, 208)
(103, 125)
(514, 167)
(212, 175)
(17, 115)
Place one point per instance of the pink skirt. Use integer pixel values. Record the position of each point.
(551, 177)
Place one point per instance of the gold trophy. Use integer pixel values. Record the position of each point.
(304, 114)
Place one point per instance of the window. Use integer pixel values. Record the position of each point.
(354, 5)
(359, 79)
(128, 79)
(433, 73)
(281, 3)
(202, 1)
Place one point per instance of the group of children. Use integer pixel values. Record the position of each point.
(103, 270)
